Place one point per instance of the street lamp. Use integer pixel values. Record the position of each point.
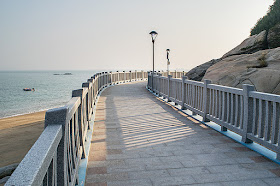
(168, 62)
(153, 35)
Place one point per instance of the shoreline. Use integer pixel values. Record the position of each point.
(18, 134)
(32, 112)
(42, 110)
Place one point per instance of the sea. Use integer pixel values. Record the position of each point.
(51, 90)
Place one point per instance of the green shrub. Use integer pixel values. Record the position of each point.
(262, 62)
(269, 20)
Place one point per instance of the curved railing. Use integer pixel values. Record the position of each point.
(254, 115)
(55, 156)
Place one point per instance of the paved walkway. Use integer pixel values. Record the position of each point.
(140, 140)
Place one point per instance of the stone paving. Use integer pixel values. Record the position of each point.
(140, 140)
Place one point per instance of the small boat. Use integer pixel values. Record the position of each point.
(29, 89)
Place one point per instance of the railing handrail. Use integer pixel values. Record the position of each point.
(31, 168)
(254, 115)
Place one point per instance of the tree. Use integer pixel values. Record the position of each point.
(269, 20)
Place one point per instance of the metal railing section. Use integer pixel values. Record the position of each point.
(55, 156)
(253, 115)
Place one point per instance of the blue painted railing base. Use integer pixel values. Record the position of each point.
(84, 162)
(236, 137)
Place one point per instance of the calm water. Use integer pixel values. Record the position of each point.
(50, 90)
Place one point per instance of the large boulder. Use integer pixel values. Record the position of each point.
(261, 69)
(198, 72)
(250, 45)
(273, 36)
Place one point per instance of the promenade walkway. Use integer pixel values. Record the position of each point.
(141, 140)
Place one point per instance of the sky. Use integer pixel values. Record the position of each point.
(114, 34)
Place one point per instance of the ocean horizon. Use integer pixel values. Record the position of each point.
(51, 90)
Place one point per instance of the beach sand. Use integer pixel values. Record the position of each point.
(17, 135)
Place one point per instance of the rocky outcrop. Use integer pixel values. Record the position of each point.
(198, 72)
(6, 172)
(261, 69)
(250, 45)
(4, 180)
(273, 36)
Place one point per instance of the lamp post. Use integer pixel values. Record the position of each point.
(168, 62)
(153, 35)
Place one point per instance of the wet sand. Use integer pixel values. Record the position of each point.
(18, 134)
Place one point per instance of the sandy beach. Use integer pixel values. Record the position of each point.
(18, 134)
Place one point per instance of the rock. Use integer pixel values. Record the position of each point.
(241, 69)
(250, 45)
(7, 170)
(198, 72)
(4, 180)
(273, 36)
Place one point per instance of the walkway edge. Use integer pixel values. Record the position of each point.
(83, 163)
(253, 146)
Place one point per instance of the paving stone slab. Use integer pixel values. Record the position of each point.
(142, 182)
(256, 182)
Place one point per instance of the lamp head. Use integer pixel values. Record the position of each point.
(153, 35)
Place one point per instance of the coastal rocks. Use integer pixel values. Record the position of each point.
(6, 172)
(273, 36)
(4, 180)
(250, 45)
(261, 69)
(198, 72)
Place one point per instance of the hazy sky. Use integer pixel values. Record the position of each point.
(114, 34)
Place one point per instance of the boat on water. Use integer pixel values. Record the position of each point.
(29, 89)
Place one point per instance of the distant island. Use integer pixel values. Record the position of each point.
(68, 73)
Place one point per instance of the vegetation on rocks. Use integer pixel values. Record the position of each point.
(262, 62)
(269, 20)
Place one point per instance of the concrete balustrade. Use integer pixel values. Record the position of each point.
(253, 115)
(54, 158)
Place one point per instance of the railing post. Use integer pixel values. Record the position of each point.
(193, 98)
(248, 112)
(88, 106)
(91, 94)
(183, 92)
(130, 79)
(118, 77)
(135, 75)
(149, 80)
(175, 76)
(159, 85)
(102, 82)
(206, 99)
(142, 74)
(124, 76)
(107, 79)
(111, 78)
(152, 78)
(58, 116)
(82, 127)
(168, 87)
